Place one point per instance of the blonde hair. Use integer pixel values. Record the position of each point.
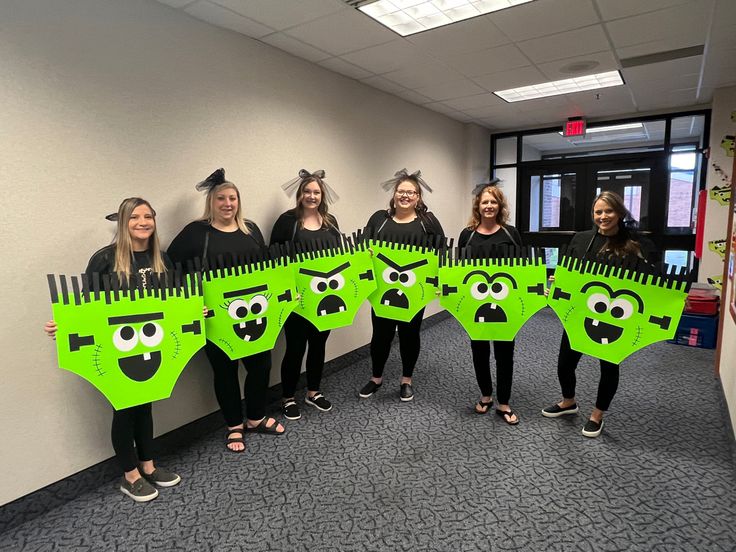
(502, 216)
(124, 244)
(209, 209)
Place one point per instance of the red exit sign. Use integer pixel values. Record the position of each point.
(574, 127)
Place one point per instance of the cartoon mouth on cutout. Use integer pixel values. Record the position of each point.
(250, 330)
(140, 367)
(331, 304)
(395, 298)
(601, 332)
(490, 312)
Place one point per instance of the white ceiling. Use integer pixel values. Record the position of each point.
(454, 69)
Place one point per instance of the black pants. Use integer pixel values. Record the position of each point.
(568, 362)
(299, 332)
(132, 436)
(503, 352)
(384, 330)
(227, 384)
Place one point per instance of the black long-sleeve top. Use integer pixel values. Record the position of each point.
(480, 244)
(201, 240)
(382, 224)
(286, 229)
(103, 262)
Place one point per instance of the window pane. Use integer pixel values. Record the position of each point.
(681, 191)
(505, 151)
(678, 258)
(508, 187)
(688, 130)
(552, 202)
(550, 257)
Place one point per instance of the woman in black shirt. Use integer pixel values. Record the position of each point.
(222, 231)
(488, 228)
(310, 222)
(407, 218)
(612, 237)
(135, 251)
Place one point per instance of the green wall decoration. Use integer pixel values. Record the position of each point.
(406, 278)
(493, 297)
(611, 309)
(248, 304)
(129, 341)
(718, 247)
(332, 283)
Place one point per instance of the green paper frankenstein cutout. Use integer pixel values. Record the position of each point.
(611, 309)
(406, 279)
(332, 283)
(493, 297)
(248, 304)
(131, 342)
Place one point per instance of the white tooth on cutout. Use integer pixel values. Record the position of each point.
(400, 293)
(387, 303)
(246, 338)
(259, 321)
(242, 325)
(595, 323)
(146, 356)
(493, 306)
(604, 341)
(322, 312)
(481, 319)
(342, 309)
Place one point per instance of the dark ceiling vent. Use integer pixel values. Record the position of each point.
(358, 3)
(659, 57)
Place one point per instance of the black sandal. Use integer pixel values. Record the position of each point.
(262, 427)
(229, 440)
(485, 405)
(504, 413)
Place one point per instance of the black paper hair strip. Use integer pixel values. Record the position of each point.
(53, 290)
(85, 287)
(64, 290)
(75, 290)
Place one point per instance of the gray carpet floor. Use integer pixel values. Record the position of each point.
(430, 475)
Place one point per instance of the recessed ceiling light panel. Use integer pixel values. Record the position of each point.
(566, 86)
(407, 17)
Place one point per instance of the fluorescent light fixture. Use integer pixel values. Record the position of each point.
(614, 128)
(407, 17)
(555, 88)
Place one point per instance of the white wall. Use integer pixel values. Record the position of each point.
(723, 122)
(103, 99)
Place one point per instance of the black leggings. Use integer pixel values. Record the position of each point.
(299, 332)
(568, 362)
(384, 330)
(132, 436)
(503, 352)
(227, 384)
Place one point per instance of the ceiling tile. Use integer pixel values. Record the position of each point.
(382, 84)
(492, 60)
(177, 3)
(466, 36)
(687, 21)
(543, 17)
(281, 14)
(523, 76)
(478, 100)
(295, 47)
(564, 45)
(453, 89)
(616, 9)
(440, 107)
(556, 70)
(387, 57)
(425, 74)
(341, 66)
(657, 46)
(227, 19)
(342, 32)
(413, 97)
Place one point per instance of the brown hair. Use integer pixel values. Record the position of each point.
(323, 209)
(420, 208)
(502, 216)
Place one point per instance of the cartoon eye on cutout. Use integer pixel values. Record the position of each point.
(125, 338)
(258, 305)
(598, 303)
(621, 309)
(391, 275)
(499, 291)
(318, 285)
(336, 282)
(151, 334)
(479, 290)
(237, 309)
(407, 278)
